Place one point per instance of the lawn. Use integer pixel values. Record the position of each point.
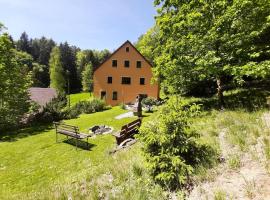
(34, 166)
(84, 96)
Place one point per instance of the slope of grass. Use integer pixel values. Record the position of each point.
(34, 166)
(84, 96)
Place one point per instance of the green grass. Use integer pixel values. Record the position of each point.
(84, 96)
(34, 166)
(234, 161)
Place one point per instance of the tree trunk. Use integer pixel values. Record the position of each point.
(220, 93)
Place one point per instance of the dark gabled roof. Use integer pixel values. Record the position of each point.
(127, 42)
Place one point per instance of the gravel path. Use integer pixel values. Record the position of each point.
(125, 115)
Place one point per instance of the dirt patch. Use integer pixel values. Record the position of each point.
(249, 181)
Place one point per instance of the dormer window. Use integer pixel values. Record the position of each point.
(114, 63)
(127, 49)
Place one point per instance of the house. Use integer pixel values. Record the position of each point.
(123, 76)
(42, 96)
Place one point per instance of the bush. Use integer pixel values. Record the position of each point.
(53, 111)
(122, 106)
(94, 105)
(148, 103)
(171, 147)
(56, 110)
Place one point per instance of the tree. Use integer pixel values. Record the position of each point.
(83, 58)
(87, 78)
(172, 149)
(40, 50)
(68, 59)
(148, 43)
(57, 75)
(23, 44)
(211, 40)
(14, 82)
(99, 57)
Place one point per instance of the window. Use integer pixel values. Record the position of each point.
(114, 63)
(127, 49)
(109, 80)
(139, 64)
(114, 96)
(126, 80)
(142, 81)
(126, 63)
(103, 94)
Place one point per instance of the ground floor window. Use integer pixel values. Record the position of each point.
(114, 96)
(142, 81)
(103, 94)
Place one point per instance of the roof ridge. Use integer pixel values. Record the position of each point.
(118, 50)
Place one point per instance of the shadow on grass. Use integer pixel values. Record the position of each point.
(81, 144)
(246, 99)
(14, 135)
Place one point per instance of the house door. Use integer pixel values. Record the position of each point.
(103, 95)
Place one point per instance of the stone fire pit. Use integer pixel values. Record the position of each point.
(100, 130)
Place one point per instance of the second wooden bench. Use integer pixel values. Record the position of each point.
(128, 131)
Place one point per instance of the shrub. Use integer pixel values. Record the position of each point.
(171, 147)
(53, 110)
(149, 102)
(122, 106)
(71, 113)
(94, 105)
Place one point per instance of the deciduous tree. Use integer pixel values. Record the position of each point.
(14, 82)
(57, 73)
(87, 78)
(211, 39)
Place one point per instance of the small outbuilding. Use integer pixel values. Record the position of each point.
(42, 96)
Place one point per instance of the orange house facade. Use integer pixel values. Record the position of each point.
(123, 76)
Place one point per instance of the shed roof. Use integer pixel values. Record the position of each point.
(42, 96)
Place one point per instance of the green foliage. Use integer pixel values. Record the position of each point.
(83, 58)
(149, 102)
(14, 82)
(211, 40)
(147, 44)
(91, 106)
(23, 44)
(220, 195)
(87, 78)
(171, 147)
(83, 96)
(122, 106)
(68, 60)
(53, 111)
(234, 161)
(56, 71)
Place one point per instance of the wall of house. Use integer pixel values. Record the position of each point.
(125, 93)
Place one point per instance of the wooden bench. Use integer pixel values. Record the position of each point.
(70, 131)
(127, 131)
